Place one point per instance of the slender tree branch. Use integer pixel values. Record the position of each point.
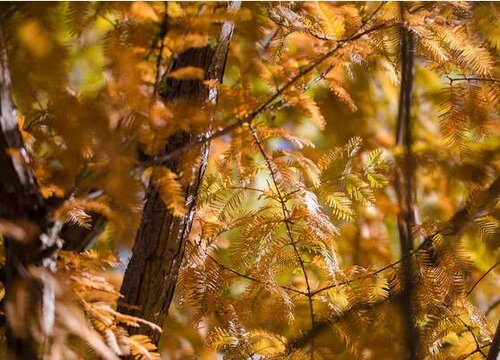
(286, 218)
(266, 105)
(251, 278)
(325, 324)
(492, 306)
(476, 350)
(466, 78)
(267, 42)
(363, 277)
(162, 34)
(482, 277)
(372, 15)
(471, 331)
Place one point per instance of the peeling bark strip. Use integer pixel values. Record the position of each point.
(150, 279)
(405, 189)
(22, 203)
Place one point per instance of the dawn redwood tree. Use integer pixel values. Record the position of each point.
(150, 279)
(276, 180)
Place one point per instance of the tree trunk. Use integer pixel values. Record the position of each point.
(23, 206)
(150, 279)
(405, 189)
(494, 353)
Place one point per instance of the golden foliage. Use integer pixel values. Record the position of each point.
(188, 73)
(295, 219)
(170, 190)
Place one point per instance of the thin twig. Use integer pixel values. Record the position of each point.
(372, 15)
(492, 307)
(201, 139)
(482, 277)
(470, 330)
(324, 324)
(466, 78)
(475, 351)
(286, 219)
(163, 33)
(366, 276)
(251, 278)
(268, 42)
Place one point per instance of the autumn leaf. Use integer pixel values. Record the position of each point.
(188, 73)
(285, 180)
(170, 190)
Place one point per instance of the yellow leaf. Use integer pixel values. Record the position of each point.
(170, 190)
(175, 10)
(310, 106)
(35, 38)
(143, 10)
(142, 348)
(188, 73)
(341, 93)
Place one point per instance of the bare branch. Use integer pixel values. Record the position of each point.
(466, 78)
(482, 277)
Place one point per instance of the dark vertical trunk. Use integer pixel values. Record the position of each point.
(494, 353)
(22, 204)
(150, 279)
(405, 189)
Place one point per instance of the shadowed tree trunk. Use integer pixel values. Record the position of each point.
(150, 279)
(405, 189)
(494, 353)
(33, 243)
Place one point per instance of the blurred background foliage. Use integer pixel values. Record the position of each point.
(83, 81)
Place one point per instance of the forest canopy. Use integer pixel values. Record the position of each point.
(249, 180)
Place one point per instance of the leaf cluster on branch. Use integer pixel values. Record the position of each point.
(315, 233)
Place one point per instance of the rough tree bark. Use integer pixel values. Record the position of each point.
(405, 189)
(151, 276)
(23, 206)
